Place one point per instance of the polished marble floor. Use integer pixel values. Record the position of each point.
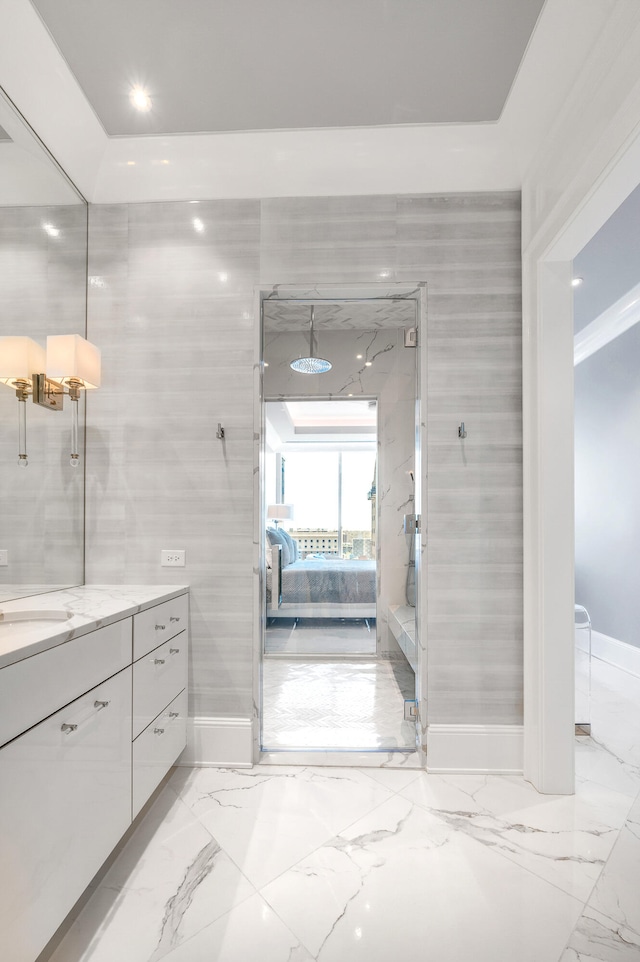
(283, 864)
(357, 704)
(320, 636)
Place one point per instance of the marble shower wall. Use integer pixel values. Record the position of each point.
(391, 379)
(172, 306)
(43, 285)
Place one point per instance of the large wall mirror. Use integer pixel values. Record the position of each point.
(43, 289)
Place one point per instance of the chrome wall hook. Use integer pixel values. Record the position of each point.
(462, 433)
(220, 432)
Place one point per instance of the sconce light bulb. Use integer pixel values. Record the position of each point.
(22, 461)
(74, 460)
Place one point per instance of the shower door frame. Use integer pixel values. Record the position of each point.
(341, 293)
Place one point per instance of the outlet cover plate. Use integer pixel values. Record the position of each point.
(172, 558)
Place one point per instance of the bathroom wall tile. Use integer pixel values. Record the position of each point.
(182, 302)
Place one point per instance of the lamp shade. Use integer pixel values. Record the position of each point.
(20, 358)
(280, 512)
(72, 359)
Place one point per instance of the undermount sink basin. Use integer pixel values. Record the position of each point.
(27, 619)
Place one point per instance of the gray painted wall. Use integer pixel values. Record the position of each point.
(173, 313)
(609, 263)
(607, 415)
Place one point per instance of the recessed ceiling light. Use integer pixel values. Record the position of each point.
(140, 99)
(198, 225)
(131, 163)
(51, 230)
(223, 276)
(577, 281)
(385, 274)
(359, 357)
(368, 363)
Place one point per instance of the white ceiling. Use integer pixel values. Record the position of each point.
(229, 65)
(337, 161)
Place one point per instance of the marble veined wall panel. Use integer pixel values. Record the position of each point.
(171, 303)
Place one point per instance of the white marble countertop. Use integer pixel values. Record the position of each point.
(92, 606)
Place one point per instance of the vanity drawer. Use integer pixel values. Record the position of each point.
(156, 749)
(32, 689)
(157, 679)
(155, 625)
(65, 801)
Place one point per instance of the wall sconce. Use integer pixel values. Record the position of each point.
(71, 364)
(19, 358)
(280, 512)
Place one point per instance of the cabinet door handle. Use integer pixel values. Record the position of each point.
(174, 618)
(65, 727)
(174, 714)
(158, 661)
(158, 731)
(160, 627)
(174, 651)
(101, 704)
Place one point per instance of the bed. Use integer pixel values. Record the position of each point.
(317, 587)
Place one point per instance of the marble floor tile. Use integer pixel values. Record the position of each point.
(336, 704)
(252, 932)
(598, 939)
(313, 636)
(617, 891)
(563, 839)
(267, 819)
(463, 900)
(319, 864)
(169, 881)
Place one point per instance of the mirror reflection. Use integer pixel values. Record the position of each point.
(43, 283)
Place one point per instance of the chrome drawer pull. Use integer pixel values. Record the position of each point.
(174, 714)
(68, 728)
(174, 651)
(100, 704)
(158, 731)
(160, 627)
(173, 618)
(158, 661)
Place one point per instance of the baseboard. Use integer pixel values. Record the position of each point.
(219, 743)
(489, 749)
(618, 653)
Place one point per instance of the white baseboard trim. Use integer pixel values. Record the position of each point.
(488, 749)
(218, 743)
(618, 653)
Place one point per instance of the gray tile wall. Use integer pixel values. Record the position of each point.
(172, 309)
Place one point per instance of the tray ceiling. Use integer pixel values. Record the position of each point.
(217, 65)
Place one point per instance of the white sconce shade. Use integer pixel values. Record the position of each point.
(72, 360)
(20, 359)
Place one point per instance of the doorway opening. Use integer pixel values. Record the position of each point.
(338, 468)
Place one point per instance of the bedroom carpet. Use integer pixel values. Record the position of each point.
(357, 704)
(320, 636)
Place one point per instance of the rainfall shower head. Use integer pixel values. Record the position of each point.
(311, 364)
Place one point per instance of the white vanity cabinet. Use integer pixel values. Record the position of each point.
(90, 731)
(64, 805)
(159, 694)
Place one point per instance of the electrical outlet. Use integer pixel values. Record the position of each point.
(4, 557)
(172, 558)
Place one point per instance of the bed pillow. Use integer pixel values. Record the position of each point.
(275, 536)
(292, 544)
